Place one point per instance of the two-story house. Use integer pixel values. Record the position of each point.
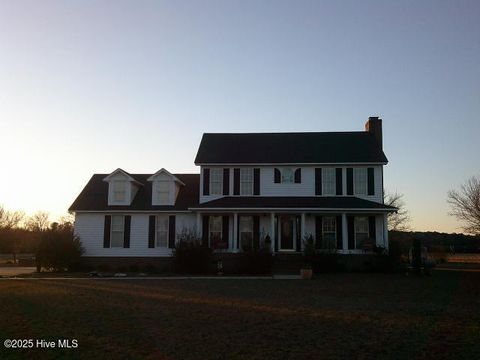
(254, 190)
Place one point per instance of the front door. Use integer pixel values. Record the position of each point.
(287, 232)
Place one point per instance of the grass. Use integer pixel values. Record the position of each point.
(358, 316)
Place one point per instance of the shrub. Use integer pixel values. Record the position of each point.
(256, 261)
(104, 268)
(150, 269)
(190, 255)
(58, 250)
(326, 263)
(133, 268)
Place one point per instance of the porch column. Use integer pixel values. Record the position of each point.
(303, 231)
(235, 232)
(199, 224)
(385, 230)
(344, 232)
(272, 231)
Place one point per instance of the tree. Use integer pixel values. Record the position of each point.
(400, 220)
(38, 222)
(10, 222)
(465, 205)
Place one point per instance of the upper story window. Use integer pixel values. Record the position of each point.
(117, 231)
(361, 231)
(287, 176)
(216, 181)
(246, 181)
(328, 181)
(119, 190)
(360, 181)
(162, 231)
(163, 192)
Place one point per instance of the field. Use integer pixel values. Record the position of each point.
(358, 316)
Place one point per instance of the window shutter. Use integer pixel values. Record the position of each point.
(298, 234)
(226, 181)
(351, 232)
(151, 231)
(339, 181)
(106, 231)
(206, 181)
(256, 181)
(126, 231)
(236, 181)
(275, 234)
(205, 231)
(371, 181)
(372, 230)
(349, 181)
(256, 232)
(318, 181)
(298, 176)
(318, 232)
(171, 231)
(339, 232)
(225, 229)
(277, 176)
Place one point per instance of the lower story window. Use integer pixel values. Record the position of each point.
(246, 232)
(162, 231)
(329, 230)
(215, 233)
(361, 232)
(117, 231)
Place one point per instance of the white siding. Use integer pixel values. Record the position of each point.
(89, 227)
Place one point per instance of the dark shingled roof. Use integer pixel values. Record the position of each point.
(303, 202)
(275, 148)
(94, 196)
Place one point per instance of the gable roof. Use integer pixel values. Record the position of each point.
(294, 202)
(290, 148)
(164, 171)
(94, 197)
(124, 173)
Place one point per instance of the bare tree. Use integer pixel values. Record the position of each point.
(465, 205)
(400, 220)
(10, 222)
(38, 222)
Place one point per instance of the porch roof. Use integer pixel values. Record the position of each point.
(291, 202)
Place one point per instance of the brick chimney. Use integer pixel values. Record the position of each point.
(374, 126)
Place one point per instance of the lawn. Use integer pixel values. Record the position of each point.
(359, 316)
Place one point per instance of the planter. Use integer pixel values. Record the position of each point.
(306, 273)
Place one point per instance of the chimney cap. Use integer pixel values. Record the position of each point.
(373, 118)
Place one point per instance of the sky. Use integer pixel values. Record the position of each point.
(90, 86)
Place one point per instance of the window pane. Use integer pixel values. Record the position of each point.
(216, 181)
(162, 231)
(360, 181)
(215, 225)
(287, 175)
(119, 189)
(117, 222)
(246, 181)
(117, 239)
(329, 232)
(328, 181)
(361, 231)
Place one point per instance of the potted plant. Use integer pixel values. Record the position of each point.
(306, 271)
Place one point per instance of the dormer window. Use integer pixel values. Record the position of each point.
(165, 188)
(163, 192)
(119, 190)
(287, 176)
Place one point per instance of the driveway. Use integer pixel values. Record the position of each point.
(16, 270)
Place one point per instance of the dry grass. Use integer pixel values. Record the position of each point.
(335, 316)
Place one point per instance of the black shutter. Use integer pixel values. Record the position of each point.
(206, 181)
(256, 181)
(106, 231)
(171, 231)
(349, 181)
(151, 231)
(226, 181)
(298, 234)
(339, 181)
(205, 231)
(318, 181)
(339, 232)
(238, 232)
(351, 232)
(225, 229)
(256, 232)
(276, 176)
(236, 181)
(372, 230)
(298, 176)
(275, 234)
(126, 231)
(371, 181)
(318, 232)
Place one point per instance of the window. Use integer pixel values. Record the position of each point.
(246, 232)
(246, 181)
(162, 231)
(117, 231)
(287, 176)
(329, 229)
(119, 187)
(360, 181)
(328, 181)
(163, 192)
(216, 181)
(361, 231)
(215, 233)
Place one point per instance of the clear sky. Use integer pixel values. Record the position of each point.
(89, 86)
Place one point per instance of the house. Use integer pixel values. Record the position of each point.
(254, 190)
